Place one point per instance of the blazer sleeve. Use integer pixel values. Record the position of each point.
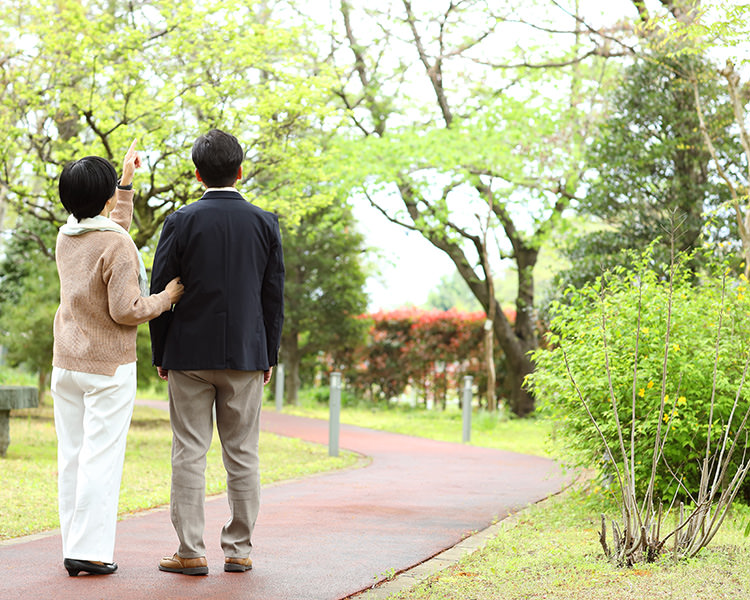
(165, 269)
(272, 295)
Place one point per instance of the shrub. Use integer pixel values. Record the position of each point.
(430, 350)
(644, 377)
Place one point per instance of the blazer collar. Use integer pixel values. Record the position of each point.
(222, 194)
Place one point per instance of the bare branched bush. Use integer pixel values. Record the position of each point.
(677, 476)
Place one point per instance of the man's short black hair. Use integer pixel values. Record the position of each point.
(85, 185)
(217, 157)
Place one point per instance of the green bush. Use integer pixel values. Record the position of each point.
(669, 379)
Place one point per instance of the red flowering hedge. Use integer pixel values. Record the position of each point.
(430, 350)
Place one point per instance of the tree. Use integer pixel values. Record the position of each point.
(651, 167)
(460, 157)
(87, 78)
(29, 296)
(508, 98)
(700, 31)
(324, 289)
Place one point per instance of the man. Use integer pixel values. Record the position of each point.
(217, 347)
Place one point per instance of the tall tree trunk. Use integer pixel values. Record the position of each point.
(489, 339)
(292, 359)
(515, 340)
(525, 330)
(41, 386)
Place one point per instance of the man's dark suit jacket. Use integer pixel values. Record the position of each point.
(228, 255)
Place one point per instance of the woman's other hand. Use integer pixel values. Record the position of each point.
(175, 289)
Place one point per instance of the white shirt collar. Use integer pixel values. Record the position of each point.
(230, 188)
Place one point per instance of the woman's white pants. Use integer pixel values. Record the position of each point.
(92, 417)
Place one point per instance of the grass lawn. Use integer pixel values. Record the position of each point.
(28, 494)
(528, 436)
(552, 551)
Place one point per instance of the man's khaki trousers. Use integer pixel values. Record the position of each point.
(238, 397)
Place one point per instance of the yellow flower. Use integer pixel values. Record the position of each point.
(645, 330)
(650, 384)
(666, 417)
(641, 392)
(682, 400)
(742, 276)
(666, 398)
(740, 297)
(675, 347)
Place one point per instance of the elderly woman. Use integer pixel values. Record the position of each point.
(94, 376)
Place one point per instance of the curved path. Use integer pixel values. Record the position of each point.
(325, 537)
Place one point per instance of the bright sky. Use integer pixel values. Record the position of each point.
(409, 265)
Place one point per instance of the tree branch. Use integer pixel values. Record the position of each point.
(434, 71)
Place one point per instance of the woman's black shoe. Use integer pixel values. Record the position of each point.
(75, 566)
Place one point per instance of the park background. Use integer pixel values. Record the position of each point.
(451, 177)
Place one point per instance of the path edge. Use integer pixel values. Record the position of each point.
(413, 576)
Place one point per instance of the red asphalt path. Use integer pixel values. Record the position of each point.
(323, 537)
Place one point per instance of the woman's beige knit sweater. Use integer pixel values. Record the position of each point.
(100, 300)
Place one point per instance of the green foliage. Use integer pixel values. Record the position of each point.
(613, 336)
(87, 78)
(13, 376)
(322, 396)
(651, 166)
(324, 289)
(145, 371)
(29, 296)
(452, 292)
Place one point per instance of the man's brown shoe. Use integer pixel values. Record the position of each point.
(186, 566)
(237, 565)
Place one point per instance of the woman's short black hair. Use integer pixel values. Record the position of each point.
(217, 156)
(85, 186)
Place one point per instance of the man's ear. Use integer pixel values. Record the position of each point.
(198, 176)
(239, 173)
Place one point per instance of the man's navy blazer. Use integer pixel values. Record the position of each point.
(227, 252)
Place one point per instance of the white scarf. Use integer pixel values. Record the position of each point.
(102, 223)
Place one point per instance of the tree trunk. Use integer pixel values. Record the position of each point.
(488, 326)
(516, 341)
(41, 387)
(292, 358)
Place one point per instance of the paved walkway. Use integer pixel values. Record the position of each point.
(324, 537)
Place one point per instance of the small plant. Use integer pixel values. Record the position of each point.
(649, 372)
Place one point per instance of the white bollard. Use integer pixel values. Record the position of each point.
(334, 414)
(466, 406)
(279, 387)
